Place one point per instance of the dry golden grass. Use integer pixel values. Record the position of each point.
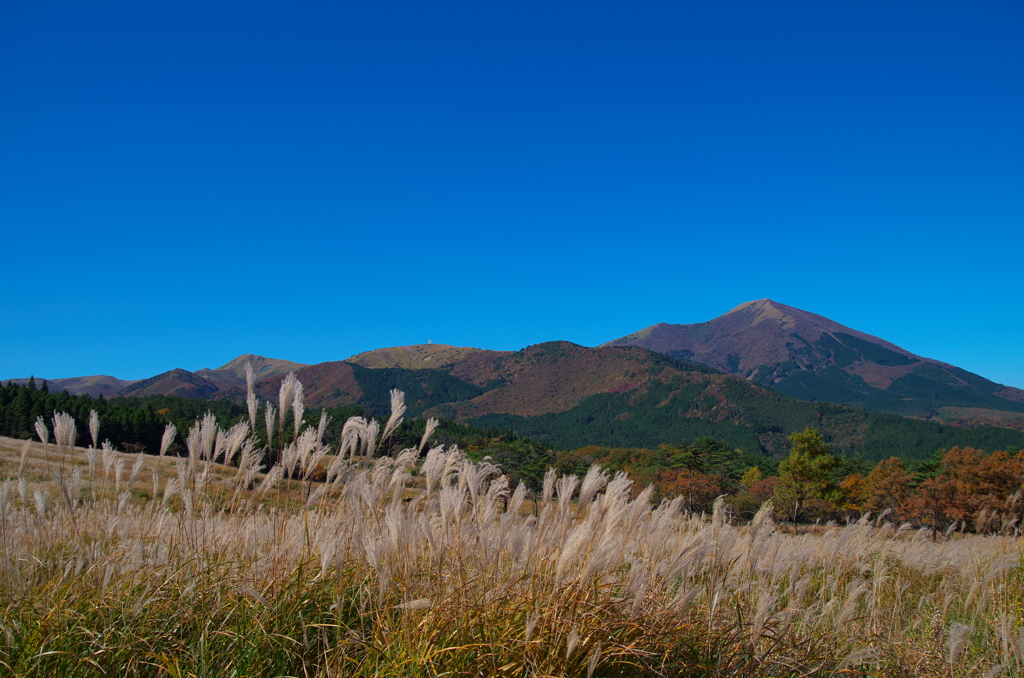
(446, 573)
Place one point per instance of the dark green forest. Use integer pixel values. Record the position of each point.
(423, 388)
(753, 420)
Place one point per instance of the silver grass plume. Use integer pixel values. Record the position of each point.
(41, 430)
(594, 661)
(565, 487)
(233, 439)
(289, 458)
(269, 417)
(718, 516)
(320, 450)
(108, 456)
(397, 414)
(433, 467)
(957, 641)
(140, 460)
(248, 467)
(427, 432)
(220, 446)
(315, 495)
(118, 472)
(250, 398)
(594, 481)
(762, 526)
(517, 499)
(550, 477)
(351, 433)
(298, 406)
(370, 438)
(192, 442)
(285, 397)
(40, 499)
(321, 428)
(571, 643)
(531, 624)
(68, 487)
(304, 446)
(64, 432)
(405, 460)
(207, 436)
(24, 455)
(271, 478)
(167, 439)
(94, 427)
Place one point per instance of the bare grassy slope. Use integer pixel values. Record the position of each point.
(419, 356)
(556, 376)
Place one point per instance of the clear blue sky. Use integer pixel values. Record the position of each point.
(184, 182)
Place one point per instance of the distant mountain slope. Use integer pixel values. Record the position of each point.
(557, 376)
(324, 385)
(199, 384)
(177, 382)
(341, 383)
(418, 356)
(97, 385)
(233, 373)
(811, 357)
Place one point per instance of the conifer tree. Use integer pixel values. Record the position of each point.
(805, 476)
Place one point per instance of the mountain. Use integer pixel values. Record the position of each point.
(570, 395)
(233, 373)
(810, 357)
(176, 382)
(97, 385)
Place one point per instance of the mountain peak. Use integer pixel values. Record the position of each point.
(260, 364)
(812, 357)
(766, 309)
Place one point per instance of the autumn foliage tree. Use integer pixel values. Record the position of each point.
(887, 486)
(805, 476)
(698, 490)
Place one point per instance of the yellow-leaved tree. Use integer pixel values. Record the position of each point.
(805, 476)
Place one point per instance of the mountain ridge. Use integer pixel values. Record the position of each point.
(766, 343)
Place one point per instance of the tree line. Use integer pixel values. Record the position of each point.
(962, 488)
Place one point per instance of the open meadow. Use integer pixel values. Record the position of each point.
(337, 561)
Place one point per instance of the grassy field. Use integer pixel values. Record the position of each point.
(117, 564)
